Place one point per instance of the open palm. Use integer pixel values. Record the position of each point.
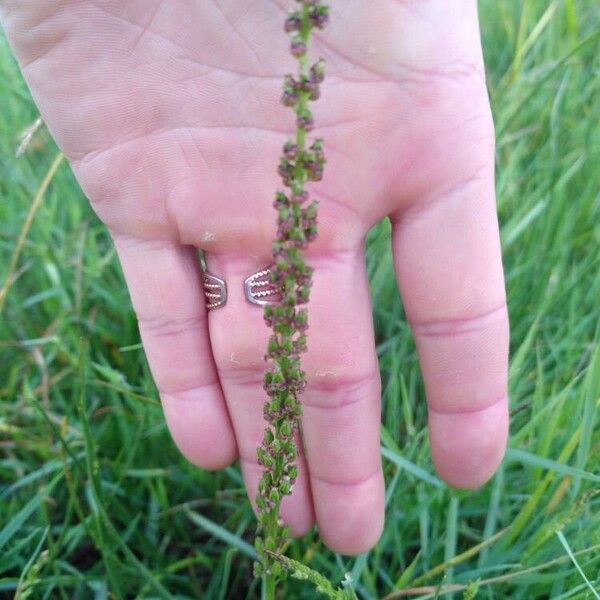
(169, 114)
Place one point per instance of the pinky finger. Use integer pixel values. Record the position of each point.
(449, 269)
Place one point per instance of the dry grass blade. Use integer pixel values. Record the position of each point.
(35, 204)
(456, 587)
(456, 560)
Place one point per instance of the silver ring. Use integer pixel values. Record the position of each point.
(260, 290)
(215, 291)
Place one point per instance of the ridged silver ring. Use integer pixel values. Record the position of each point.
(215, 291)
(258, 289)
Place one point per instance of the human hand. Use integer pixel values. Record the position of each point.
(169, 114)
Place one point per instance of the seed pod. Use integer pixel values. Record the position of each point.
(305, 121)
(292, 472)
(274, 496)
(298, 47)
(317, 71)
(293, 22)
(286, 429)
(268, 437)
(300, 198)
(290, 150)
(289, 99)
(318, 16)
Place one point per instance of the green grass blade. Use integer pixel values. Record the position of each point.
(591, 390)
(221, 533)
(527, 458)
(574, 560)
(15, 522)
(451, 544)
(535, 498)
(411, 468)
(492, 516)
(27, 569)
(226, 572)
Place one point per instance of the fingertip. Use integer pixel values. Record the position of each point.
(297, 509)
(299, 515)
(468, 447)
(200, 427)
(351, 517)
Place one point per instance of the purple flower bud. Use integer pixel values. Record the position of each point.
(306, 84)
(322, 21)
(293, 23)
(300, 198)
(317, 146)
(309, 161)
(317, 71)
(289, 99)
(290, 82)
(290, 150)
(305, 122)
(319, 16)
(291, 88)
(310, 233)
(298, 48)
(281, 201)
(310, 212)
(316, 174)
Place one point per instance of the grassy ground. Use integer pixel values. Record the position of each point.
(94, 498)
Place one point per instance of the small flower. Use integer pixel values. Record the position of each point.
(318, 16)
(293, 22)
(291, 90)
(310, 233)
(281, 200)
(316, 173)
(300, 197)
(305, 121)
(289, 100)
(317, 71)
(285, 168)
(317, 147)
(290, 150)
(298, 47)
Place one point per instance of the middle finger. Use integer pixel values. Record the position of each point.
(239, 338)
(341, 402)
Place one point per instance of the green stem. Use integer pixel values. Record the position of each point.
(268, 587)
(285, 380)
(304, 66)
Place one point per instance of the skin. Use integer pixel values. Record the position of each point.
(169, 114)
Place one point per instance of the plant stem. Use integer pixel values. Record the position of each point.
(285, 380)
(268, 587)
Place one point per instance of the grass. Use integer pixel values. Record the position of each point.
(96, 502)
